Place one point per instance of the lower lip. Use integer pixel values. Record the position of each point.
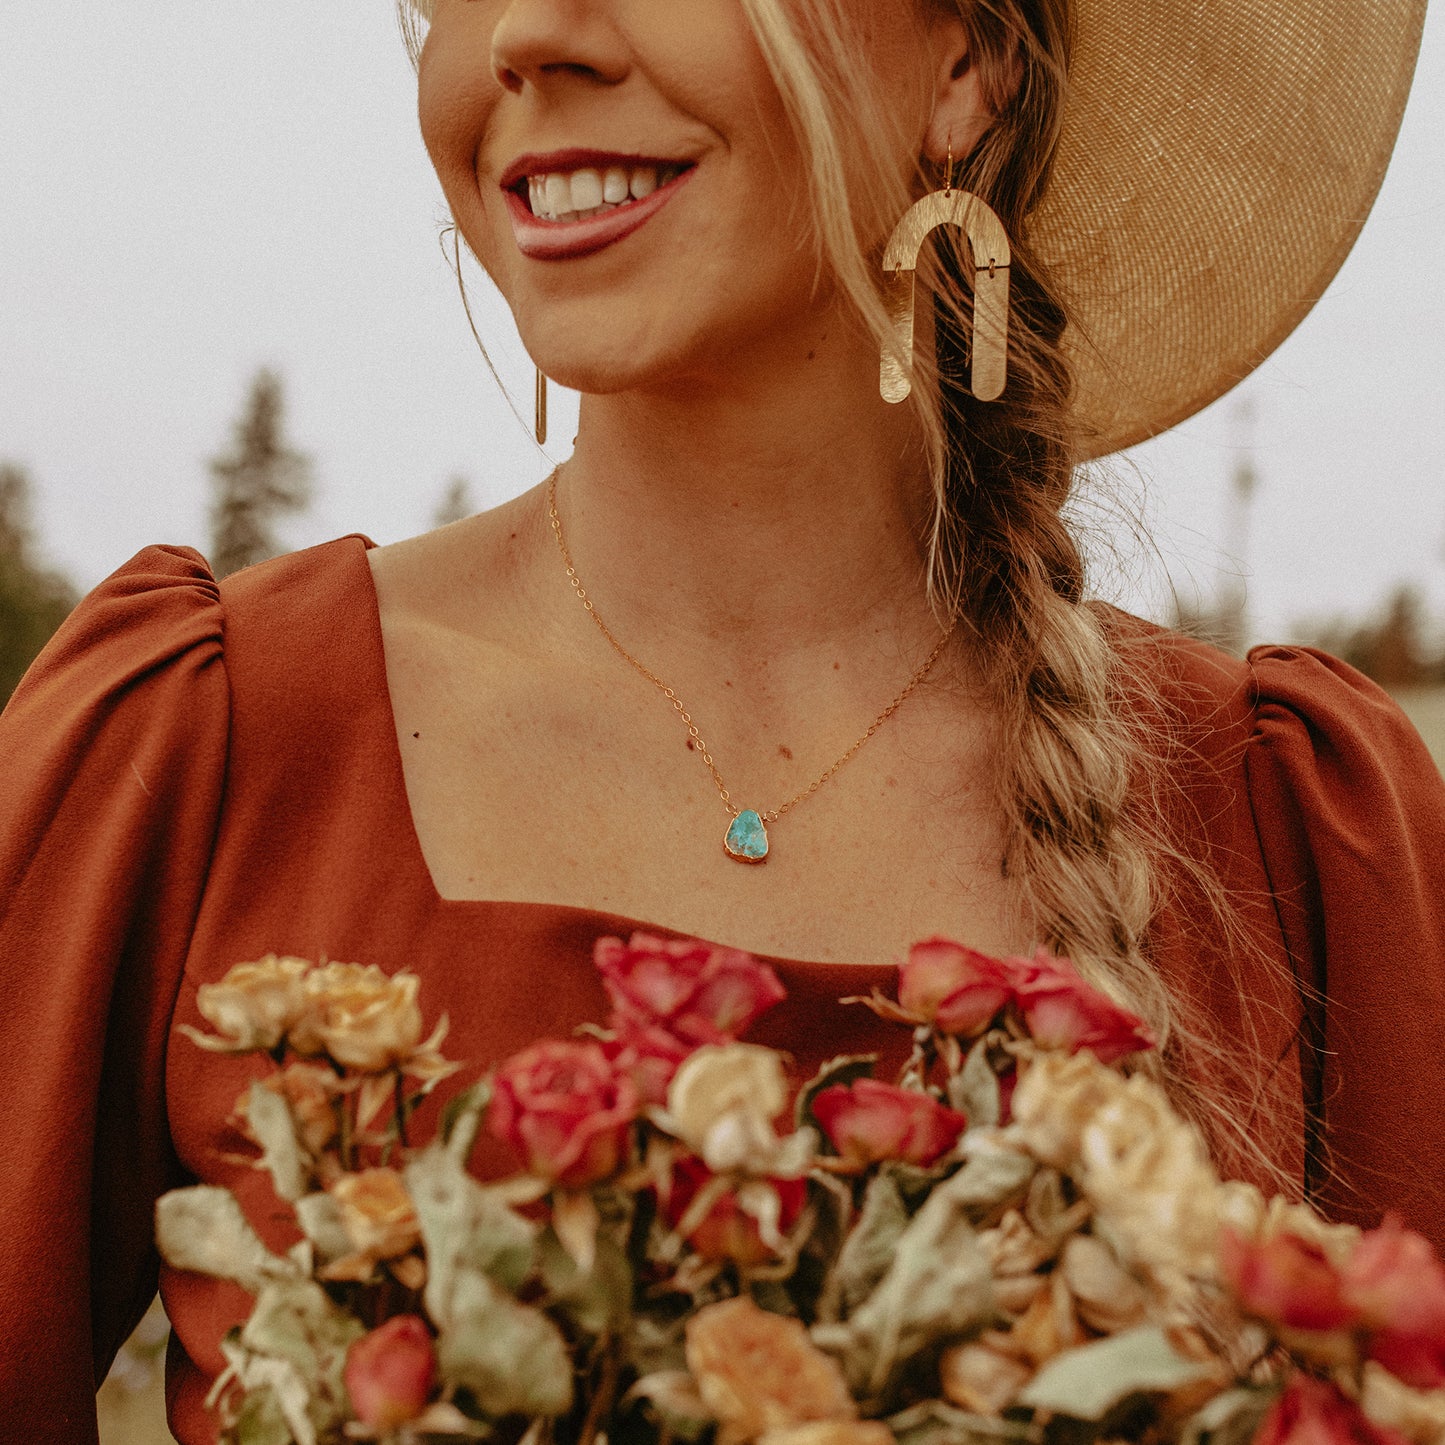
(565, 240)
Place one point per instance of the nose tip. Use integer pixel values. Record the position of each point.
(535, 39)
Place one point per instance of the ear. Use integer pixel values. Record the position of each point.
(961, 112)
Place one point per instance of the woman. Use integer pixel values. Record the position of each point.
(467, 754)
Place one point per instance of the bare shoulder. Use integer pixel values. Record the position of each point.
(472, 577)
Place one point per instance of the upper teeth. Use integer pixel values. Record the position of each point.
(575, 195)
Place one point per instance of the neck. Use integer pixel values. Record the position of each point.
(769, 510)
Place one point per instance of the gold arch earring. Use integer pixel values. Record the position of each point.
(989, 246)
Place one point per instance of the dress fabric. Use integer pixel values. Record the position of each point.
(197, 774)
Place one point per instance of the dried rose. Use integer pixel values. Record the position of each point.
(310, 1091)
(1285, 1280)
(1395, 1281)
(698, 993)
(722, 1103)
(956, 989)
(648, 1055)
(1419, 1415)
(253, 1007)
(390, 1373)
(379, 1218)
(367, 1020)
(759, 1372)
(1062, 1011)
(980, 1379)
(565, 1110)
(1313, 1412)
(868, 1121)
(745, 1224)
(1107, 1297)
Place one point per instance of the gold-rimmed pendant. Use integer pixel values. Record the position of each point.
(747, 837)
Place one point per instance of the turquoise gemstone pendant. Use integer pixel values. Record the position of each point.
(747, 838)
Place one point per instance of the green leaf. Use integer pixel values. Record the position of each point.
(938, 1286)
(511, 1357)
(462, 1119)
(464, 1227)
(268, 1116)
(1231, 1418)
(599, 1301)
(867, 1250)
(1088, 1382)
(992, 1179)
(974, 1090)
(845, 1069)
(203, 1229)
(319, 1216)
(261, 1421)
(935, 1423)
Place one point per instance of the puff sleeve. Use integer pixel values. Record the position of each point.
(1350, 812)
(112, 762)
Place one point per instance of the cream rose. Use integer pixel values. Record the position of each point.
(723, 1101)
(253, 1007)
(359, 1016)
(379, 1218)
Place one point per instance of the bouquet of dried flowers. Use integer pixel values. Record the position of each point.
(1018, 1242)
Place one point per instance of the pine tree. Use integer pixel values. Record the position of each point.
(34, 600)
(260, 479)
(456, 503)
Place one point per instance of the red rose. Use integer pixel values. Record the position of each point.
(696, 992)
(1313, 1412)
(1395, 1280)
(956, 989)
(1061, 1011)
(1285, 1280)
(649, 1056)
(389, 1373)
(565, 1110)
(727, 1230)
(868, 1122)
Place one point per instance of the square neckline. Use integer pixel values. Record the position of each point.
(374, 681)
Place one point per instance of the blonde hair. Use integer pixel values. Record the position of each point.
(1080, 754)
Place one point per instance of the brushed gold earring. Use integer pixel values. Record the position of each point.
(540, 401)
(989, 246)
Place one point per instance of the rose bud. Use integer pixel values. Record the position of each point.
(1313, 1412)
(956, 989)
(1395, 1280)
(390, 1373)
(699, 993)
(728, 1230)
(868, 1121)
(1062, 1011)
(1285, 1280)
(565, 1110)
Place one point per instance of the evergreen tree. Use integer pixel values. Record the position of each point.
(258, 480)
(34, 600)
(455, 504)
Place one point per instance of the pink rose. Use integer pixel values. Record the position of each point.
(1062, 1011)
(565, 1110)
(1285, 1280)
(727, 1230)
(868, 1122)
(698, 993)
(390, 1373)
(956, 989)
(1395, 1280)
(648, 1055)
(1314, 1412)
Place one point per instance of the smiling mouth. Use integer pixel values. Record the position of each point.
(563, 196)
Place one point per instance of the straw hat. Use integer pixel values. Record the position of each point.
(1217, 162)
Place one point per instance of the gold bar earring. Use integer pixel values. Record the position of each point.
(541, 405)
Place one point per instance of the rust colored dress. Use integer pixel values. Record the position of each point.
(195, 775)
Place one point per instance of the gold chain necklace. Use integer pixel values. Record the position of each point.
(746, 838)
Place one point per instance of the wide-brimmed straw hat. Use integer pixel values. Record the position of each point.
(1217, 162)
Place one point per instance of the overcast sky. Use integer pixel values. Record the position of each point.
(190, 192)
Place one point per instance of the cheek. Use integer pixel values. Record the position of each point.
(456, 96)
